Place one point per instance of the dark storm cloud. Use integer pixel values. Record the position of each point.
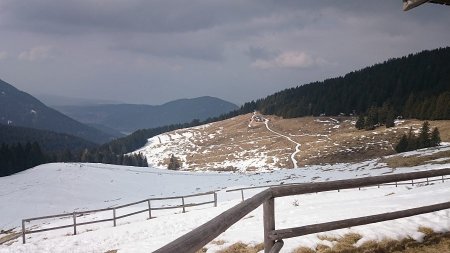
(156, 16)
(151, 51)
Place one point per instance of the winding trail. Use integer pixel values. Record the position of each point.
(297, 147)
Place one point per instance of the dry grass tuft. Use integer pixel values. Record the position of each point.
(242, 248)
(111, 251)
(410, 161)
(432, 243)
(426, 230)
(304, 250)
(8, 236)
(218, 242)
(325, 237)
(202, 250)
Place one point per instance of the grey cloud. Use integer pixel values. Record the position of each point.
(255, 52)
(3, 55)
(195, 45)
(157, 16)
(156, 50)
(38, 53)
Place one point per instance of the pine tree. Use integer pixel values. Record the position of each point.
(390, 119)
(382, 114)
(144, 162)
(36, 155)
(371, 119)
(360, 122)
(174, 163)
(435, 138)
(412, 140)
(402, 145)
(424, 136)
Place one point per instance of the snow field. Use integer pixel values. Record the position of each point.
(63, 188)
(149, 235)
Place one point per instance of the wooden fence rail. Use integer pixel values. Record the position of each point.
(114, 218)
(398, 183)
(199, 237)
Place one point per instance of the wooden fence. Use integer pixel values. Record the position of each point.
(396, 184)
(113, 210)
(273, 239)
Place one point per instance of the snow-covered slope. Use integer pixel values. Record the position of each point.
(256, 143)
(57, 188)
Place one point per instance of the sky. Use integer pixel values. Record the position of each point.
(155, 51)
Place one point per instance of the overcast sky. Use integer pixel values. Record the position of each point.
(147, 51)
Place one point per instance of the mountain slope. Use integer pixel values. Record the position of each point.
(48, 140)
(245, 144)
(130, 117)
(18, 108)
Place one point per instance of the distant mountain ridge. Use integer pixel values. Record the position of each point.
(55, 100)
(131, 117)
(18, 108)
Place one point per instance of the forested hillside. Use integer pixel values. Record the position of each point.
(415, 86)
(18, 108)
(49, 141)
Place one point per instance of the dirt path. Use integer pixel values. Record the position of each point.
(297, 147)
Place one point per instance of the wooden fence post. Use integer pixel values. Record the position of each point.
(215, 199)
(242, 195)
(149, 209)
(412, 182)
(74, 223)
(395, 183)
(277, 247)
(442, 179)
(23, 231)
(269, 223)
(182, 201)
(114, 216)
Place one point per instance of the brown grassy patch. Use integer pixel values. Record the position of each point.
(432, 243)
(243, 248)
(410, 161)
(111, 251)
(304, 250)
(9, 237)
(323, 141)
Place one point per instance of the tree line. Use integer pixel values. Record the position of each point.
(19, 157)
(425, 139)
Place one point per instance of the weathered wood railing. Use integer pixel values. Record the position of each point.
(273, 239)
(396, 184)
(114, 209)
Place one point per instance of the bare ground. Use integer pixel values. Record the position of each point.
(324, 140)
